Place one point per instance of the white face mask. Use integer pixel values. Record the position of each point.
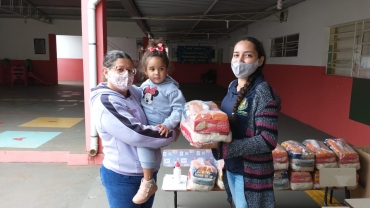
(242, 70)
(121, 81)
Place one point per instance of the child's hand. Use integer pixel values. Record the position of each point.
(162, 129)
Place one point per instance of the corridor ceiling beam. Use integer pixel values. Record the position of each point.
(25, 9)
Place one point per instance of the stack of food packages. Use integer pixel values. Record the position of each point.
(346, 156)
(202, 122)
(202, 175)
(324, 158)
(301, 163)
(281, 166)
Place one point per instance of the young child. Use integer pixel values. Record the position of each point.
(162, 103)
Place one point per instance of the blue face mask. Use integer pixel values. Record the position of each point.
(242, 70)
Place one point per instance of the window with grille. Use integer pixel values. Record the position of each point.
(285, 46)
(349, 50)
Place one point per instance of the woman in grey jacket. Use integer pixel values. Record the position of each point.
(122, 127)
(253, 108)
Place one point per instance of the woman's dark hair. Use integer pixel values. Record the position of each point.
(245, 89)
(157, 51)
(112, 57)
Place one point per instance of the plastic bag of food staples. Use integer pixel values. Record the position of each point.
(280, 158)
(300, 157)
(220, 166)
(202, 175)
(204, 117)
(324, 157)
(203, 123)
(347, 156)
(300, 180)
(281, 180)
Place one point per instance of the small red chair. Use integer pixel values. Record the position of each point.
(18, 75)
(5, 71)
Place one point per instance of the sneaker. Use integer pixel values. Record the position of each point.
(146, 190)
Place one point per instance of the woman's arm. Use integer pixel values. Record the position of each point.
(118, 121)
(264, 138)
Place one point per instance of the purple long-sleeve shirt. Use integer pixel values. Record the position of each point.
(122, 126)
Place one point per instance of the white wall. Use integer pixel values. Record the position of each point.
(16, 40)
(69, 46)
(127, 45)
(311, 19)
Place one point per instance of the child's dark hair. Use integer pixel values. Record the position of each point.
(245, 89)
(156, 48)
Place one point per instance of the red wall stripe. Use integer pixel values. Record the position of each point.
(70, 69)
(319, 100)
(312, 97)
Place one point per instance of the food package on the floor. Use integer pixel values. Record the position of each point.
(324, 157)
(300, 180)
(202, 175)
(199, 139)
(347, 156)
(204, 117)
(280, 158)
(281, 180)
(300, 157)
(219, 164)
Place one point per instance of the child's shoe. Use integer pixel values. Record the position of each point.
(146, 190)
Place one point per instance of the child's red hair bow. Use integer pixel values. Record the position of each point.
(159, 48)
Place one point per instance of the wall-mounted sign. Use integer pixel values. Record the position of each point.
(194, 54)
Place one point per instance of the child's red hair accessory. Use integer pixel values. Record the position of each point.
(159, 48)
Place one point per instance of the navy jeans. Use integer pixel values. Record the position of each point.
(120, 189)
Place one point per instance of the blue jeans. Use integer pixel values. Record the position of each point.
(236, 185)
(120, 189)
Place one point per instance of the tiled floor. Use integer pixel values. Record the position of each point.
(51, 118)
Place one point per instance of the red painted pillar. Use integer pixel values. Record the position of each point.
(53, 58)
(101, 44)
(101, 48)
(101, 36)
(145, 43)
